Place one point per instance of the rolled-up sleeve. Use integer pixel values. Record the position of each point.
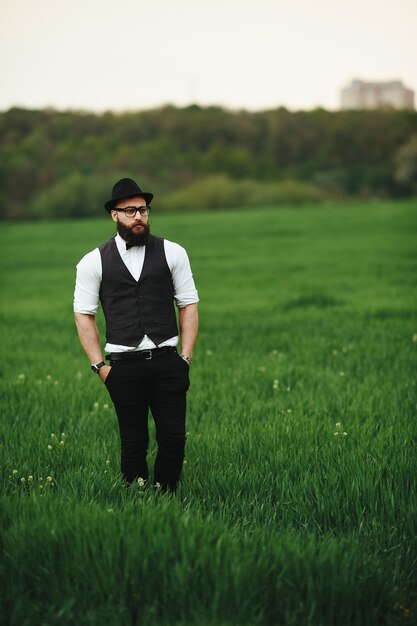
(87, 284)
(185, 291)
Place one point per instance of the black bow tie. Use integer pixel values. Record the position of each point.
(134, 245)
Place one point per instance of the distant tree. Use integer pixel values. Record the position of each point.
(48, 158)
(406, 165)
(73, 196)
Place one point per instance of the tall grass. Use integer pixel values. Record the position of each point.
(298, 499)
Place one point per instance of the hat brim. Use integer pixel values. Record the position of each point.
(143, 194)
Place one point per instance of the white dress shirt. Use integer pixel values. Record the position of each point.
(89, 274)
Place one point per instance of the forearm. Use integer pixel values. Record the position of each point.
(89, 337)
(188, 318)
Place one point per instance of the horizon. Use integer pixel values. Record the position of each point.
(226, 108)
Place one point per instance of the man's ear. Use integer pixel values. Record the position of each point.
(114, 215)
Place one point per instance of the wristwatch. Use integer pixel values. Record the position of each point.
(95, 368)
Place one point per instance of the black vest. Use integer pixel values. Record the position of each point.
(134, 308)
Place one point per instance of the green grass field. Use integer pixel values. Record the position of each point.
(298, 501)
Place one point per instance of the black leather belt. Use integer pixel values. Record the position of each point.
(140, 355)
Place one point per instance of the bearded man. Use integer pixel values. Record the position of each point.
(137, 278)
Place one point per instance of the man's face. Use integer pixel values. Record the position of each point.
(134, 230)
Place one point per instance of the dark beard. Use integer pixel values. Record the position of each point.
(131, 238)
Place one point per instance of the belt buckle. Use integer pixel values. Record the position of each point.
(148, 358)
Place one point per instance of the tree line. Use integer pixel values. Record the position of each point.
(63, 164)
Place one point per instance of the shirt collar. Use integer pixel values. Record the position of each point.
(121, 244)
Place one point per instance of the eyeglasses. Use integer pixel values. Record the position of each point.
(131, 211)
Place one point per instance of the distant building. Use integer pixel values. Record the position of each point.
(387, 95)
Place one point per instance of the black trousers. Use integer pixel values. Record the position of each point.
(159, 384)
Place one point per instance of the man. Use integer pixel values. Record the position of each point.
(137, 277)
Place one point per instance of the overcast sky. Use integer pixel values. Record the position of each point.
(253, 54)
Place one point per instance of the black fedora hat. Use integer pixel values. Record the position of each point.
(126, 188)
